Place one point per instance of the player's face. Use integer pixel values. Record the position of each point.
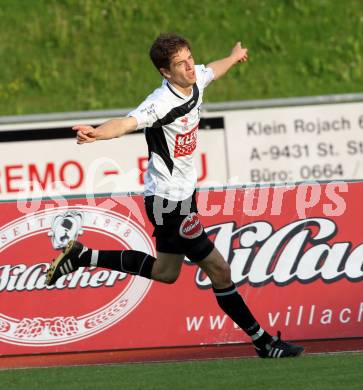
(181, 72)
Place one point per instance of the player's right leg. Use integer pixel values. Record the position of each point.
(67, 262)
(165, 268)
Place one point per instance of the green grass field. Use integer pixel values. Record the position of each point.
(320, 372)
(70, 55)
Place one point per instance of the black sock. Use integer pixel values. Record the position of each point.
(231, 302)
(129, 261)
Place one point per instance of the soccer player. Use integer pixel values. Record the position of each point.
(170, 117)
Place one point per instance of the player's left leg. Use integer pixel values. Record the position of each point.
(228, 298)
(231, 302)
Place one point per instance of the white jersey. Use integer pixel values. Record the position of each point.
(170, 121)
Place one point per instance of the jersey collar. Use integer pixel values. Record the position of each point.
(177, 93)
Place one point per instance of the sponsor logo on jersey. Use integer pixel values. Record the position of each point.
(185, 144)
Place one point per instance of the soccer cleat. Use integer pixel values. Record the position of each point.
(67, 262)
(279, 349)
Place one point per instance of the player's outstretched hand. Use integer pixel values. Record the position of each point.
(240, 53)
(85, 134)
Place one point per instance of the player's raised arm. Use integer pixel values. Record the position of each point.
(220, 67)
(111, 129)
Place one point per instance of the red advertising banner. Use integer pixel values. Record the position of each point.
(296, 254)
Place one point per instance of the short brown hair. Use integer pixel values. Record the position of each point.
(165, 47)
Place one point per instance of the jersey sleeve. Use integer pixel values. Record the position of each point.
(146, 114)
(204, 75)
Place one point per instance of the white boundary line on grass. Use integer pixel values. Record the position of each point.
(176, 361)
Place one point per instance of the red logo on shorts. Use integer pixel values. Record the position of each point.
(191, 227)
(185, 144)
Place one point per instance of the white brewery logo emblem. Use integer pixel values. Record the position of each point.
(65, 227)
(62, 225)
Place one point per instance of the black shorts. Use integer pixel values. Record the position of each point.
(177, 227)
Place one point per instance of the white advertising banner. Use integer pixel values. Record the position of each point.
(38, 168)
(264, 145)
(288, 144)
